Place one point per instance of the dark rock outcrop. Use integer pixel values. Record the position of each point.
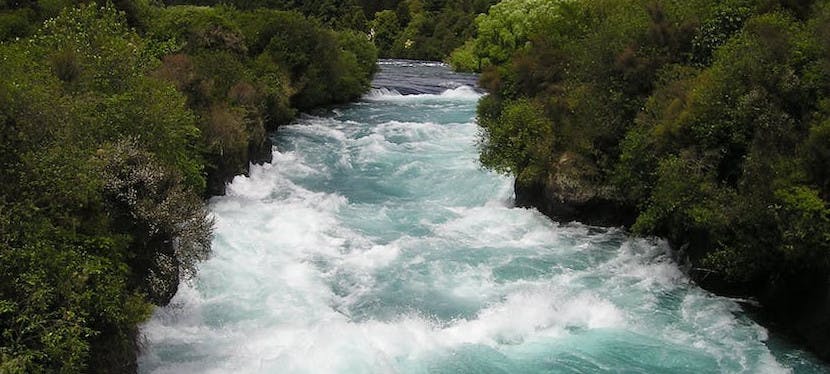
(225, 169)
(565, 208)
(800, 308)
(570, 193)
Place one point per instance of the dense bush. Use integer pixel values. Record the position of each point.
(245, 72)
(413, 29)
(519, 140)
(110, 139)
(21, 18)
(424, 30)
(707, 120)
(79, 235)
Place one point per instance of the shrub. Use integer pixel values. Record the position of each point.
(198, 28)
(464, 58)
(384, 30)
(16, 23)
(168, 221)
(519, 141)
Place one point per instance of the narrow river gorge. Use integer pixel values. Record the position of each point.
(375, 243)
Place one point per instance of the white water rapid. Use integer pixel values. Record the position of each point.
(375, 243)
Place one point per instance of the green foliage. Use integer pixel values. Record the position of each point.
(334, 14)
(109, 139)
(384, 30)
(716, 31)
(817, 156)
(274, 84)
(245, 71)
(307, 51)
(69, 257)
(356, 62)
(425, 30)
(519, 141)
(312, 56)
(805, 223)
(464, 58)
(198, 28)
(16, 23)
(60, 299)
(508, 26)
(416, 29)
(708, 119)
(685, 199)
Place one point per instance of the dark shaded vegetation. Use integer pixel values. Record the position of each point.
(704, 122)
(425, 29)
(410, 29)
(117, 120)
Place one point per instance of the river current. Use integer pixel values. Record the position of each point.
(375, 243)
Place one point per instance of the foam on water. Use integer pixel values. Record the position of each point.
(374, 243)
(465, 93)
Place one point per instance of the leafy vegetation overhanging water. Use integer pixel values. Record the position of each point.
(374, 242)
(111, 127)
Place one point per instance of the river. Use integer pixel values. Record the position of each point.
(375, 243)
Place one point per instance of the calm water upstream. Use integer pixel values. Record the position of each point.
(375, 243)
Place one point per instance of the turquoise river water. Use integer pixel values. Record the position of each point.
(375, 243)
